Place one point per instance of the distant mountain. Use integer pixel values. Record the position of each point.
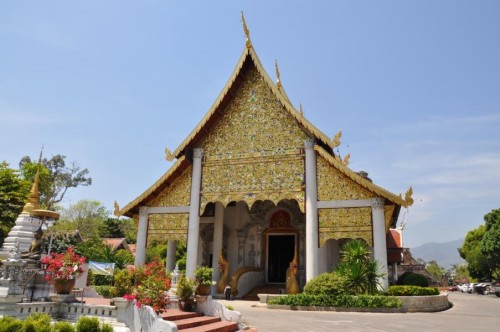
(445, 254)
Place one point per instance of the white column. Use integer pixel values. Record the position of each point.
(217, 242)
(194, 215)
(312, 267)
(171, 250)
(140, 253)
(379, 239)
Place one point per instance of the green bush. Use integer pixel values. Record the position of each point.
(124, 282)
(330, 284)
(413, 279)
(347, 301)
(106, 291)
(106, 328)
(10, 324)
(409, 290)
(88, 324)
(37, 322)
(63, 326)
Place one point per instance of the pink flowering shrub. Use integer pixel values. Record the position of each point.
(65, 266)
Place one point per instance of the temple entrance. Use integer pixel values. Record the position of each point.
(280, 253)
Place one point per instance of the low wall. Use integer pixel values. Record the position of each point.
(432, 303)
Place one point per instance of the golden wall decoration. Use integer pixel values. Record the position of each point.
(177, 193)
(388, 213)
(345, 223)
(335, 185)
(164, 227)
(255, 150)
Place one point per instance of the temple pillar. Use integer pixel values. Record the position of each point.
(171, 251)
(140, 253)
(217, 242)
(379, 239)
(312, 231)
(194, 215)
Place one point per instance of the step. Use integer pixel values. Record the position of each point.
(222, 326)
(176, 314)
(195, 322)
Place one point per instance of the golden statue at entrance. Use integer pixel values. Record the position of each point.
(292, 284)
(224, 271)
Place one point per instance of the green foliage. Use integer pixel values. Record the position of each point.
(124, 282)
(106, 291)
(63, 326)
(10, 324)
(106, 328)
(437, 272)
(411, 291)
(88, 324)
(37, 322)
(203, 275)
(359, 270)
(477, 262)
(13, 195)
(55, 178)
(156, 250)
(186, 288)
(348, 301)
(413, 279)
(87, 216)
(327, 284)
(490, 244)
(122, 258)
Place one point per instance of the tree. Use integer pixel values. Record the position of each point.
(436, 271)
(120, 228)
(55, 178)
(490, 244)
(13, 195)
(477, 263)
(87, 216)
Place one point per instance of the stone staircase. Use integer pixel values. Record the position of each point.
(264, 289)
(197, 322)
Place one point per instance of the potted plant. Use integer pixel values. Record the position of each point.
(203, 276)
(185, 292)
(63, 269)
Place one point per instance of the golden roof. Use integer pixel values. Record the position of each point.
(379, 191)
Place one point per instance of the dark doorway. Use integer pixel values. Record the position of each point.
(281, 252)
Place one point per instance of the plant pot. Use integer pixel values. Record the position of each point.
(188, 305)
(64, 286)
(203, 290)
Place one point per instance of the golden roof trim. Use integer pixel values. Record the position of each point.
(127, 209)
(279, 93)
(397, 199)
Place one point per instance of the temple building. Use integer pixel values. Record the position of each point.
(257, 192)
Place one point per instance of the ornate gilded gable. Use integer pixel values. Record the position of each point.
(335, 185)
(175, 194)
(254, 151)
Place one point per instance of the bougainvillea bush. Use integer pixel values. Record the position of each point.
(64, 266)
(152, 281)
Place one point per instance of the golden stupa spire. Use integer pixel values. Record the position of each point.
(278, 79)
(245, 29)
(32, 203)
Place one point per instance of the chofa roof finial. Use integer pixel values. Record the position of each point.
(278, 79)
(245, 29)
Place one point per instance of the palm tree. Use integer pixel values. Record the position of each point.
(357, 267)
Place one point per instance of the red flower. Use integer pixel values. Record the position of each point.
(65, 266)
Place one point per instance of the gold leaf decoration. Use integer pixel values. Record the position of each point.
(177, 193)
(345, 223)
(336, 139)
(164, 227)
(168, 155)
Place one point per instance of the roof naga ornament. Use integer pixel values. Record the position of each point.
(245, 29)
(336, 139)
(168, 155)
(408, 200)
(301, 110)
(116, 211)
(278, 80)
(346, 159)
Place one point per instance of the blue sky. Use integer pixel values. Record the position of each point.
(414, 86)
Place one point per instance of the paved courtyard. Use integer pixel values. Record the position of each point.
(471, 312)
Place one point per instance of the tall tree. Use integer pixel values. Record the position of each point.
(55, 178)
(13, 195)
(87, 216)
(490, 244)
(436, 271)
(477, 262)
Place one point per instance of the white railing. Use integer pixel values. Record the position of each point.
(145, 319)
(249, 280)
